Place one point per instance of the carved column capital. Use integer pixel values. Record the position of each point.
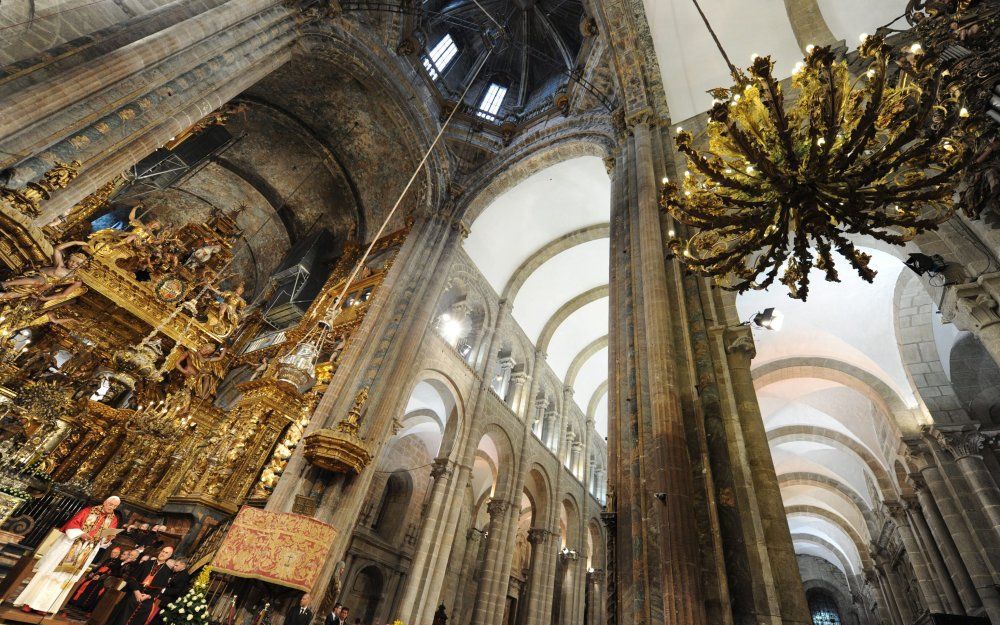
(916, 482)
(960, 443)
(917, 453)
(497, 506)
(897, 510)
(975, 305)
(538, 535)
(739, 340)
(441, 468)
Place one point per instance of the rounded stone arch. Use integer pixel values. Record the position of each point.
(836, 487)
(497, 442)
(533, 154)
(538, 486)
(455, 423)
(569, 522)
(549, 251)
(838, 521)
(912, 316)
(842, 563)
(844, 443)
(843, 373)
(595, 541)
(465, 295)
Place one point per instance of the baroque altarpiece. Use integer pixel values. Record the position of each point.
(134, 362)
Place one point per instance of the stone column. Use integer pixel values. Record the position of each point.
(964, 444)
(938, 572)
(575, 460)
(956, 570)
(957, 528)
(549, 432)
(542, 555)
(785, 582)
(518, 392)
(435, 531)
(489, 585)
(916, 557)
(658, 561)
(876, 578)
(396, 323)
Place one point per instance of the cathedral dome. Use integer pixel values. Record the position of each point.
(528, 49)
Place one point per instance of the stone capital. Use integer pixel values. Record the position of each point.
(538, 535)
(441, 468)
(739, 340)
(497, 506)
(916, 482)
(917, 454)
(960, 442)
(975, 305)
(897, 510)
(518, 378)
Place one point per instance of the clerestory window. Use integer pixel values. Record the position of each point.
(490, 104)
(440, 56)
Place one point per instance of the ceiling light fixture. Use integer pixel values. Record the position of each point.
(787, 181)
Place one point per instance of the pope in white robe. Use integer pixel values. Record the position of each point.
(68, 558)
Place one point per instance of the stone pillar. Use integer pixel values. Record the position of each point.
(916, 557)
(550, 433)
(658, 561)
(938, 572)
(975, 307)
(964, 444)
(518, 392)
(501, 379)
(430, 558)
(576, 459)
(942, 538)
(376, 359)
(484, 612)
(541, 580)
(877, 579)
(957, 528)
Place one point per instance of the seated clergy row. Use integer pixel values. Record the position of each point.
(90, 565)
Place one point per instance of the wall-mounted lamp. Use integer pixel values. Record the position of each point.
(769, 319)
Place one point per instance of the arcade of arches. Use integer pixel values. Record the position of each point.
(484, 391)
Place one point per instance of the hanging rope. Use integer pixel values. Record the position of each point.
(399, 201)
(715, 38)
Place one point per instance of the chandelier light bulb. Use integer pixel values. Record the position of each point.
(963, 113)
(862, 37)
(916, 48)
(810, 48)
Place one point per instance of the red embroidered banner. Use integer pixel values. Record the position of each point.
(276, 547)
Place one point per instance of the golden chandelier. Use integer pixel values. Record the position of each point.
(783, 184)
